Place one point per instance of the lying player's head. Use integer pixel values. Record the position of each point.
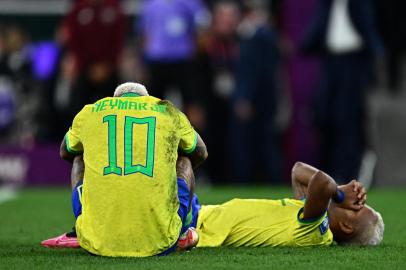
(364, 227)
(130, 87)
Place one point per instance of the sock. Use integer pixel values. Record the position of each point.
(72, 233)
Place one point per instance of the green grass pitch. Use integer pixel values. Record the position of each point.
(37, 214)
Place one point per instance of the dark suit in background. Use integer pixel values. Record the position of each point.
(345, 75)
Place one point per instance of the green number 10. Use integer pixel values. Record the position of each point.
(129, 167)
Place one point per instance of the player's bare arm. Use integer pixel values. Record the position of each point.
(318, 188)
(199, 155)
(184, 170)
(301, 175)
(78, 170)
(63, 152)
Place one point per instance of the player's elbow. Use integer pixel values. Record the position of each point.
(65, 155)
(204, 154)
(298, 164)
(296, 168)
(199, 156)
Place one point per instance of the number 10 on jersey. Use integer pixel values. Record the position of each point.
(129, 168)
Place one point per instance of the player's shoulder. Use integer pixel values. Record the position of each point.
(296, 202)
(170, 108)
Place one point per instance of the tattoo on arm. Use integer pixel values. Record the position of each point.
(78, 170)
(184, 170)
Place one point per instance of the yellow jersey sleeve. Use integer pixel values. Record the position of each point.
(73, 136)
(188, 136)
(315, 231)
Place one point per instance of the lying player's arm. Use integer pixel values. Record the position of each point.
(63, 152)
(301, 175)
(199, 155)
(321, 188)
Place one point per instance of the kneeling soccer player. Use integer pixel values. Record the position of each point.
(130, 144)
(188, 207)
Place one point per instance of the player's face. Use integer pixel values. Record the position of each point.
(364, 215)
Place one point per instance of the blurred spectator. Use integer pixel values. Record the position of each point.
(19, 94)
(217, 76)
(60, 97)
(393, 29)
(344, 34)
(169, 31)
(94, 32)
(254, 147)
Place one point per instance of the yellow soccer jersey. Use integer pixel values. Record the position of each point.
(130, 147)
(260, 223)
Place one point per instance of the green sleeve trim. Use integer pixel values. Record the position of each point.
(130, 94)
(192, 149)
(189, 218)
(69, 149)
(283, 202)
(307, 221)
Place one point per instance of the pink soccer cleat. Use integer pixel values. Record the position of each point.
(62, 241)
(188, 240)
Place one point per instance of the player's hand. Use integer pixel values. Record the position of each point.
(361, 192)
(355, 195)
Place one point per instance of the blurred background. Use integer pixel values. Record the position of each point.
(265, 83)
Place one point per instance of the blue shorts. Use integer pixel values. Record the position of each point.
(189, 219)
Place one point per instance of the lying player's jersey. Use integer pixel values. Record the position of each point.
(260, 223)
(129, 196)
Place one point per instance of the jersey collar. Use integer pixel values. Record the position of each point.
(129, 94)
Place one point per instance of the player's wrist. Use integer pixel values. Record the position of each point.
(338, 196)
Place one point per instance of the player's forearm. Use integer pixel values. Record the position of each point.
(184, 171)
(321, 188)
(323, 184)
(303, 174)
(78, 170)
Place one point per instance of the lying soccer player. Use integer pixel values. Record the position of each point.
(320, 212)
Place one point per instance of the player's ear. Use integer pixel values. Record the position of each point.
(346, 227)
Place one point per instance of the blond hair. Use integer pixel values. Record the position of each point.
(130, 87)
(372, 234)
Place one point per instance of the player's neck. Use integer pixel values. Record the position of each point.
(333, 217)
